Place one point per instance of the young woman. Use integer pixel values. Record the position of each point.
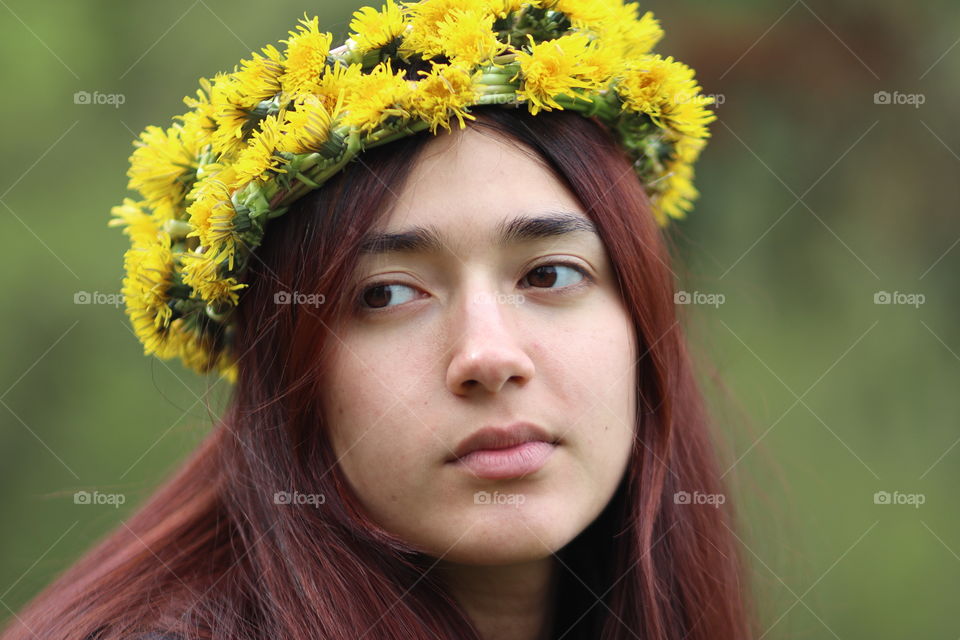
(463, 408)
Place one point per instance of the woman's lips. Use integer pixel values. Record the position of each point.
(512, 462)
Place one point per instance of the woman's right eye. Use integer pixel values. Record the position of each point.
(379, 296)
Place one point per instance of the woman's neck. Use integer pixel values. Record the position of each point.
(512, 602)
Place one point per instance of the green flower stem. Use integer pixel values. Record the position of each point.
(599, 106)
(499, 88)
(496, 78)
(389, 135)
(218, 313)
(295, 191)
(309, 162)
(504, 71)
(307, 181)
(178, 229)
(504, 59)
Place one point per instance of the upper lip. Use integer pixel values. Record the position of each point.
(497, 437)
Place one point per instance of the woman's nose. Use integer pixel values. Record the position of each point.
(488, 349)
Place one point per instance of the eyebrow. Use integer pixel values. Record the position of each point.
(523, 228)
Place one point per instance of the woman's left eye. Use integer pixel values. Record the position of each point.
(548, 274)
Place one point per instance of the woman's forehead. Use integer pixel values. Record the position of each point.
(496, 230)
(491, 166)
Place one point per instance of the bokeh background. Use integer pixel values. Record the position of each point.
(820, 265)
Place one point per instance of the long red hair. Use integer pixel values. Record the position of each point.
(212, 555)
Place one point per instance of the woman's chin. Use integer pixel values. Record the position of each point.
(516, 550)
(502, 534)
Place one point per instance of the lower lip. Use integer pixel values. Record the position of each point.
(499, 464)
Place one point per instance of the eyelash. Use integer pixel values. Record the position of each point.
(587, 280)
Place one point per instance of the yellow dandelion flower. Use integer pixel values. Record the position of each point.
(689, 116)
(446, 89)
(149, 273)
(258, 157)
(635, 37)
(229, 370)
(645, 86)
(374, 29)
(674, 193)
(606, 61)
(156, 340)
(234, 99)
(206, 170)
(467, 37)
(502, 8)
(621, 36)
(687, 150)
(558, 67)
(307, 125)
(212, 216)
(677, 196)
(201, 104)
(425, 19)
(615, 23)
(195, 350)
(584, 14)
(149, 270)
(197, 126)
(666, 90)
(259, 78)
(433, 11)
(229, 117)
(373, 97)
(200, 353)
(307, 51)
(201, 273)
(332, 86)
(163, 166)
(140, 227)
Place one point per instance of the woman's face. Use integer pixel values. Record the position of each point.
(477, 332)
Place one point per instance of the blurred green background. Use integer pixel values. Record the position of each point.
(825, 185)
